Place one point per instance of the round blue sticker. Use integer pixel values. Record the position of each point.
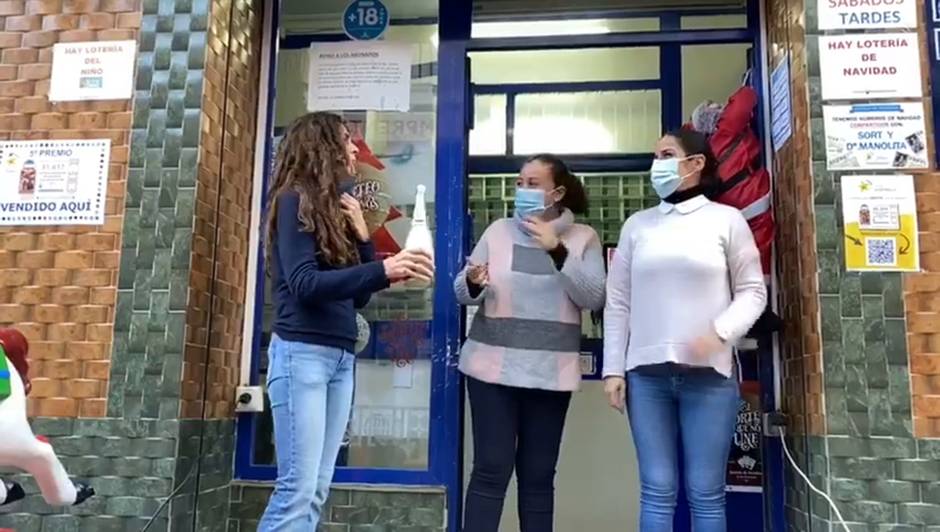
(365, 20)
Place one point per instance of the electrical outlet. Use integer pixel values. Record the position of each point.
(249, 399)
(775, 424)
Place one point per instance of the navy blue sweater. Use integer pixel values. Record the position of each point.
(315, 302)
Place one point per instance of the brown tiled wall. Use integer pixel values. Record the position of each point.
(58, 284)
(223, 209)
(922, 290)
(922, 305)
(796, 252)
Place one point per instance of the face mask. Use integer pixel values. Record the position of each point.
(664, 176)
(529, 202)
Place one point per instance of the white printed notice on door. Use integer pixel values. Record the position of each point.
(53, 182)
(867, 14)
(867, 66)
(359, 76)
(875, 136)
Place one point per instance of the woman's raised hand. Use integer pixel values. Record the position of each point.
(478, 274)
(409, 265)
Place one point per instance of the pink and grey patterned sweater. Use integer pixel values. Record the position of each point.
(528, 331)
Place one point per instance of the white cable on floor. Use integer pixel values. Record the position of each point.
(818, 491)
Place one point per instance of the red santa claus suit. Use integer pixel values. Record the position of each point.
(745, 181)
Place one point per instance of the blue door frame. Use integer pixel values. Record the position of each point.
(453, 235)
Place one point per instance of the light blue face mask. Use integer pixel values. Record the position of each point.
(664, 176)
(528, 202)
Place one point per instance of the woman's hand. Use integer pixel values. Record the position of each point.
(542, 231)
(615, 388)
(353, 212)
(706, 345)
(478, 274)
(409, 265)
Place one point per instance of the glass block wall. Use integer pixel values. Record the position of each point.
(613, 197)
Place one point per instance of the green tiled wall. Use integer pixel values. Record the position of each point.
(137, 455)
(352, 509)
(880, 476)
(130, 463)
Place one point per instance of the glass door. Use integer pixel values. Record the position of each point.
(597, 90)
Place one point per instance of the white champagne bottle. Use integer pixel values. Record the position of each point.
(419, 236)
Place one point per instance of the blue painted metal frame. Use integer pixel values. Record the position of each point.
(446, 399)
(513, 90)
(453, 164)
(670, 72)
(568, 86)
(932, 20)
(608, 14)
(610, 40)
(453, 121)
(578, 163)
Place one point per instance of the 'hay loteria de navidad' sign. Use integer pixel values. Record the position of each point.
(868, 66)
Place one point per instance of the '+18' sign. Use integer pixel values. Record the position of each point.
(365, 20)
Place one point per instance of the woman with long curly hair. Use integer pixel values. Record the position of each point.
(322, 268)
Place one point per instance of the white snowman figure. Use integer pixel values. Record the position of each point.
(21, 448)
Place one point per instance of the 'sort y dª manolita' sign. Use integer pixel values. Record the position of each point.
(875, 136)
(866, 66)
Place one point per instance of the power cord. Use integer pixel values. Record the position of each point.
(192, 469)
(776, 421)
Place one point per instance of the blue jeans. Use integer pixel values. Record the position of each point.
(700, 406)
(311, 388)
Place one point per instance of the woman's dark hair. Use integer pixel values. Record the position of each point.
(695, 143)
(575, 198)
(311, 158)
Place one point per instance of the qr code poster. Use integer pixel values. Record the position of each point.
(880, 216)
(876, 136)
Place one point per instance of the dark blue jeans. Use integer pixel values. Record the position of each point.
(514, 428)
(700, 406)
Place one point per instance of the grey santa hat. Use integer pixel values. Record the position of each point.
(705, 117)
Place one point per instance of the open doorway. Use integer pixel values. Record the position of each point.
(601, 107)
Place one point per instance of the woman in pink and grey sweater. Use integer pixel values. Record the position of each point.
(532, 275)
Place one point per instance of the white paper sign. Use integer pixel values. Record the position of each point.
(360, 76)
(92, 71)
(866, 66)
(47, 182)
(875, 136)
(866, 14)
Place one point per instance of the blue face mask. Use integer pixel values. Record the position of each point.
(529, 202)
(664, 176)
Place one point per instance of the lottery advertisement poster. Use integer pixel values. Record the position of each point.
(880, 220)
(53, 182)
(745, 464)
(875, 136)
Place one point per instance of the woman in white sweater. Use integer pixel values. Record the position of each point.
(685, 284)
